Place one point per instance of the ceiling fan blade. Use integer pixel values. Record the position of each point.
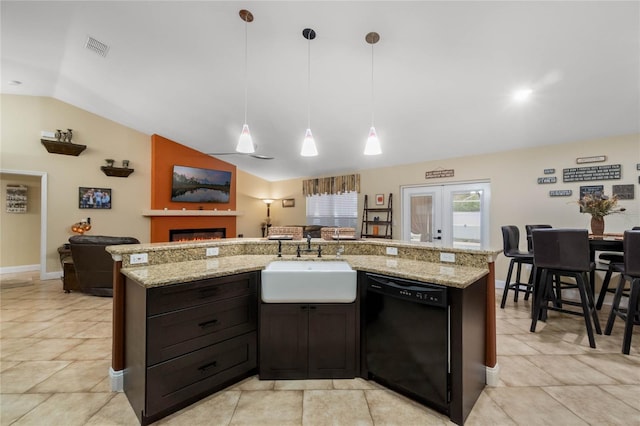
(258, 156)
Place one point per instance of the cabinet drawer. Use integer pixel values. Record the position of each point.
(180, 332)
(172, 382)
(179, 296)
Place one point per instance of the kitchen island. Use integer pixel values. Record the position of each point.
(175, 276)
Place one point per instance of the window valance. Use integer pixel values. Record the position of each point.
(331, 185)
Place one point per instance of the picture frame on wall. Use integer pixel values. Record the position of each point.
(94, 198)
(379, 199)
(289, 202)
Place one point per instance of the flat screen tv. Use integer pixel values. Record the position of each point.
(194, 185)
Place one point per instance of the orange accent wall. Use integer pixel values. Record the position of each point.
(165, 154)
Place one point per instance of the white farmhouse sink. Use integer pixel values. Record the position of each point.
(308, 281)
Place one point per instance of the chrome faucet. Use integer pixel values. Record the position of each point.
(339, 251)
(309, 241)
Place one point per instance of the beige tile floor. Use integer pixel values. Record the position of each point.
(55, 354)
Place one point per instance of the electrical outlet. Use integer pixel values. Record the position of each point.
(393, 251)
(212, 251)
(447, 257)
(134, 259)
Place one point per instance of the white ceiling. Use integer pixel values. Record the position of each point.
(444, 73)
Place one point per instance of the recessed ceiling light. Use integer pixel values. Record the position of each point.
(15, 82)
(522, 95)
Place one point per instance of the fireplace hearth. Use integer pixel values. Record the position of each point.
(197, 234)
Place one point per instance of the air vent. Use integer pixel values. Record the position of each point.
(96, 46)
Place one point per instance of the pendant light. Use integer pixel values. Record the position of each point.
(245, 142)
(373, 143)
(309, 145)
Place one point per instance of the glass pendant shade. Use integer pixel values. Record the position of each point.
(373, 143)
(308, 145)
(245, 143)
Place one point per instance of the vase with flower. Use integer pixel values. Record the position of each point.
(598, 206)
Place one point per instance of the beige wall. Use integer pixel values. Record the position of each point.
(516, 198)
(23, 117)
(20, 227)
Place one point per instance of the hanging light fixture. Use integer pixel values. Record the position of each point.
(373, 143)
(309, 145)
(245, 142)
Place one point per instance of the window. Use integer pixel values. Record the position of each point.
(333, 209)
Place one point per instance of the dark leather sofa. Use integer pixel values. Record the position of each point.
(93, 265)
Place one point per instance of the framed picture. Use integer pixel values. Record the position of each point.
(379, 199)
(289, 202)
(94, 198)
(16, 199)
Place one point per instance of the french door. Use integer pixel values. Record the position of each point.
(455, 215)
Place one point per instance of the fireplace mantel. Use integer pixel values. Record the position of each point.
(191, 213)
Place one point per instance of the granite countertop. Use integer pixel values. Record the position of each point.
(192, 270)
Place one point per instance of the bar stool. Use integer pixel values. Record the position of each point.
(630, 271)
(563, 252)
(510, 244)
(530, 228)
(615, 263)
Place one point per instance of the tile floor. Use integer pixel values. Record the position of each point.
(55, 354)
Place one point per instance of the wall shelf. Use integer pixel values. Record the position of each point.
(65, 148)
(116, 171)
(155, 213)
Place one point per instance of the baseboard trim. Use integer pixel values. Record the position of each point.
(18, 269)
(499, 283)
(117, 380)
(493, 375)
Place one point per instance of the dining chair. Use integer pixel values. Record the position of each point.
(563, 253)
(510, 248)
(530, 228)
(629, 271)
(615, 260)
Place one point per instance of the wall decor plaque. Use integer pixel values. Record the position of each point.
(594, 159)
(561, 193)
(16, 198)
(624, 192)
(549, 171)
(638, 166)
(591, 189)
(543, 180)
(434, 174)
(580, 174)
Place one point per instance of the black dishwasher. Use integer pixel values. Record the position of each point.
(407, 338)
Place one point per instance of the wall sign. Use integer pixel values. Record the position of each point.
(579, 174)
(433, 174)
(16, 198)
(592, 189)
(638, 166)
(596, 159)
(552, 179)
(624, 192)
(561, 193)
(549, 171)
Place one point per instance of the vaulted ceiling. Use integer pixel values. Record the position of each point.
(444, 73)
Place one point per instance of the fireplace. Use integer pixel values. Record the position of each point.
(197, 234)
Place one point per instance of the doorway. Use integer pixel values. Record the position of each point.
(43, 219)
(452, 215)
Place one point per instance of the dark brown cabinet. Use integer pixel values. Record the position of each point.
(308, 341)
(188, 340)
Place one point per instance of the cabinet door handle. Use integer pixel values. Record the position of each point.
(304, 307)
(208, 323)
(208, 366)
(312, 307)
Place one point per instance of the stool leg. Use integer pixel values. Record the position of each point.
(592, 305)
(539, 296)
(507, 284)
(585, 309)
(615, 307)
(529, 284)
(517, 285)
(605, 287)
(632, 311)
